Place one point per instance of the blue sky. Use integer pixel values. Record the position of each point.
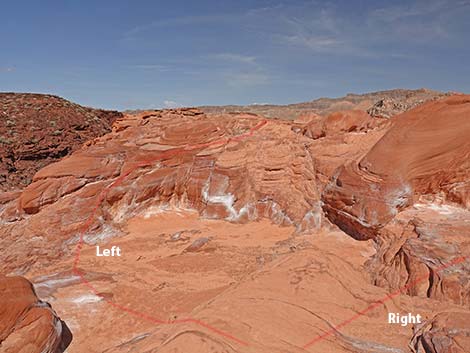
(149, 54)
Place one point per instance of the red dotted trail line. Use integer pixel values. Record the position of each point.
(380, 302)
(89, 221)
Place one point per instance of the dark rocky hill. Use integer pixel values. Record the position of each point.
(38, 129)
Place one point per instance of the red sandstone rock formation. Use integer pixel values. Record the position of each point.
(162, 186)
(28, 325)
(410, 193)
(38, 129)
(227, 172)
(424, 153)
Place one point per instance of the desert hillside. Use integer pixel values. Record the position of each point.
(38, 129)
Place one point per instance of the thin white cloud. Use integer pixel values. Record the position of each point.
(312, 42)
(311, 26)
(7, 69)
(247, 79)
(171, 104)
(234, 58)
(221, 18)
(385, 30)
(262, 11)
(417, 8)
(326, 29)
(256, 103)
(238, 70)
(418, 20)
(141, 29)
(151, 67)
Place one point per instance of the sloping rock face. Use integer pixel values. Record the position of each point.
(28, 325)
(39, 129)
(424, 152)
(237, 168)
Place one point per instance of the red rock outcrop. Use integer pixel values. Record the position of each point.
(424, 152)
(238, 168)
(28, 325)
(38, 129)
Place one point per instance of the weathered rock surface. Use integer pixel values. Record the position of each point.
(396, 104)
(424, 250)
(424, 152)
(38, 129)
(28, 325)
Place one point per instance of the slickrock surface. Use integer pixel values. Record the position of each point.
(225, 245)
(255, 281)
(38, 129)
(28, 325)
(382, 104)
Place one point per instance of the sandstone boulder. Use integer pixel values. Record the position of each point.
(28, 325)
